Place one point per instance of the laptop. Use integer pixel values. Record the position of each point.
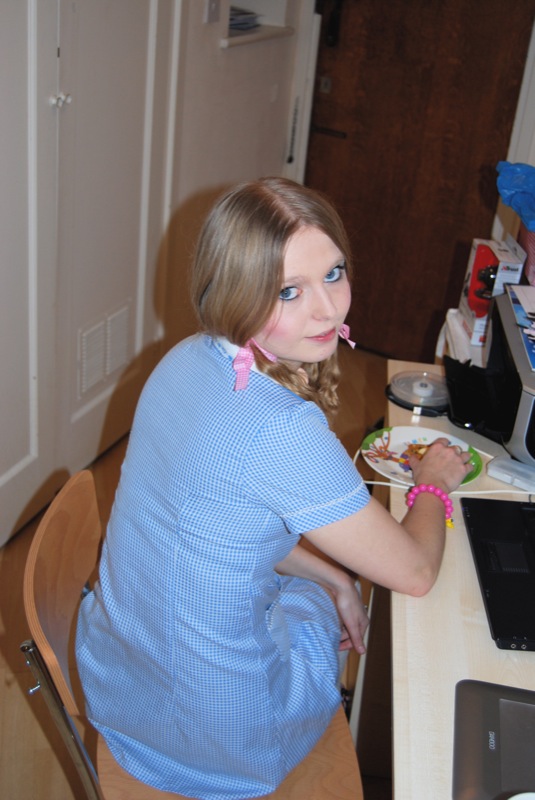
(502, 539)
(494, 741)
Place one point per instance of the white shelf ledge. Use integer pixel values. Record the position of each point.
(259, 34)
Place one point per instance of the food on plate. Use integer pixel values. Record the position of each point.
(416, 449)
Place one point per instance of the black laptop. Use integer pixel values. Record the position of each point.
(502, 538)
(494, 741)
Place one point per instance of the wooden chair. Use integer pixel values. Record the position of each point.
(62, 558)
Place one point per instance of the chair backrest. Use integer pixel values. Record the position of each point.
(62, 556)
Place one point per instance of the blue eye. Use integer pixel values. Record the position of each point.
(289, 293)
(335, 273)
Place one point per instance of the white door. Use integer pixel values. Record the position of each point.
(86, 129)
(27, 259)
(113, 154)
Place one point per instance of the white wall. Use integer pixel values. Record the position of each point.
(235, 105)
(232, 125)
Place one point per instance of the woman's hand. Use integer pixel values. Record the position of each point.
(353, 615)
(303, 563)
(443, 465)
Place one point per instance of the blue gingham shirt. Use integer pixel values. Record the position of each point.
(207, 673)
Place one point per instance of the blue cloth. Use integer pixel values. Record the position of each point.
(208, 673)
(516, 185)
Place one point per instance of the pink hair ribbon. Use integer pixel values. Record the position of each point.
(344, 333)
(243, 362)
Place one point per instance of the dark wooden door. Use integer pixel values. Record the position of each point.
(413, 108)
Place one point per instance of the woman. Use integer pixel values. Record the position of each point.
(208, 650)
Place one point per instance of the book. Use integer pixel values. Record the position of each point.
(242, 20)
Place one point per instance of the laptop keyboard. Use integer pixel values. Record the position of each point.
(507, 557)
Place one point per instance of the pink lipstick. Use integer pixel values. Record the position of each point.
(328, 336)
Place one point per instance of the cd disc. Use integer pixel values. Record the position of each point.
(424, 389)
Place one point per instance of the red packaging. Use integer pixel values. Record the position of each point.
(491, 265)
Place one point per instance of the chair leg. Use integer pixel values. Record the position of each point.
(63, 721)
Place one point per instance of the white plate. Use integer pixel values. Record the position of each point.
(386, 451)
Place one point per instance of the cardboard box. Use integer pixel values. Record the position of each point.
(491, 265)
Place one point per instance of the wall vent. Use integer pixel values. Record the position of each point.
(117, 340)
(92, 356)
(104, 349)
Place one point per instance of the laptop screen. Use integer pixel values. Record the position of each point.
(494, 741)
(517, 742)
(502, 541)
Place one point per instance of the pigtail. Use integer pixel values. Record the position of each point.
(317, 383)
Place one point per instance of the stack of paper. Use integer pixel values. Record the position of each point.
(523, 302)
(455, 342)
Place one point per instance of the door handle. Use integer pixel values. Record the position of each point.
(59, 100)
(328, 131)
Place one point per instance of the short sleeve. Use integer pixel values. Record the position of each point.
(298, 468)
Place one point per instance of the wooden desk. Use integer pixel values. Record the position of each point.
(440, 639)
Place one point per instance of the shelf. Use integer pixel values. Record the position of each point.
(260, 34)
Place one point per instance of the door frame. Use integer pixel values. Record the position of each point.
(522, 144)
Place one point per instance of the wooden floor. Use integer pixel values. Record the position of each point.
(33, 763)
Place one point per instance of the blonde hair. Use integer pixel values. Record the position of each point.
(239, 267)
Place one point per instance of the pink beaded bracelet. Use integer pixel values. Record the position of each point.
(424, 487)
